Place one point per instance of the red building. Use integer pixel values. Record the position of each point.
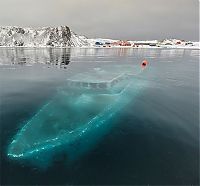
(121, 43)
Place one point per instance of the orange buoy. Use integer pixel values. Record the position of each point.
(144, 64)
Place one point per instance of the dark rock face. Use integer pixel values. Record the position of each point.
(41, 37)
(19, 43)
(20, 30)
(59, 36)
(66, 33)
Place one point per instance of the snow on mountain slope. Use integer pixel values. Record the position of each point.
(41, 37)
(13, 36)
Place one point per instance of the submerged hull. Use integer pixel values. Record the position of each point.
(76, 118)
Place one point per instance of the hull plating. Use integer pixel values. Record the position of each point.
(74, 120)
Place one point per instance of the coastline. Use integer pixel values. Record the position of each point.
(93, 47)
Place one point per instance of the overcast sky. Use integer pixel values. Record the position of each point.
(120, 19)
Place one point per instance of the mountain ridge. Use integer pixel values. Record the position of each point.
(61, 36)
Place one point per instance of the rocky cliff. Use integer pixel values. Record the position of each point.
(41, 37)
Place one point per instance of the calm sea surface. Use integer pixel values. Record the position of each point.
(154, 139)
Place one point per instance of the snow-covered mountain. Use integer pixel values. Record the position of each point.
(13, 36)
(41, 37)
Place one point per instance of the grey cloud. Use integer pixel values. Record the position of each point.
(123, 19)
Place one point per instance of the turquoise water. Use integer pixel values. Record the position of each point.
(92, 116)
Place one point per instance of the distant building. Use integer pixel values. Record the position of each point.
(168, 43)
(99, 43)
(121, 43)
(107, 43)
(152, 44)
(189, 43)
(146, 43)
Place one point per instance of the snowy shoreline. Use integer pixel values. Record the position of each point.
(63, 37)
(92, 47)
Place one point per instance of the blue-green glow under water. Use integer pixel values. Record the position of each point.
(77, 117)
(129, 131)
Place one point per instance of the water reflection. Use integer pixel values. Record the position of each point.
(172, 53)
(60, 58)
(195, 53)
(65, 59)
(22, 56)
